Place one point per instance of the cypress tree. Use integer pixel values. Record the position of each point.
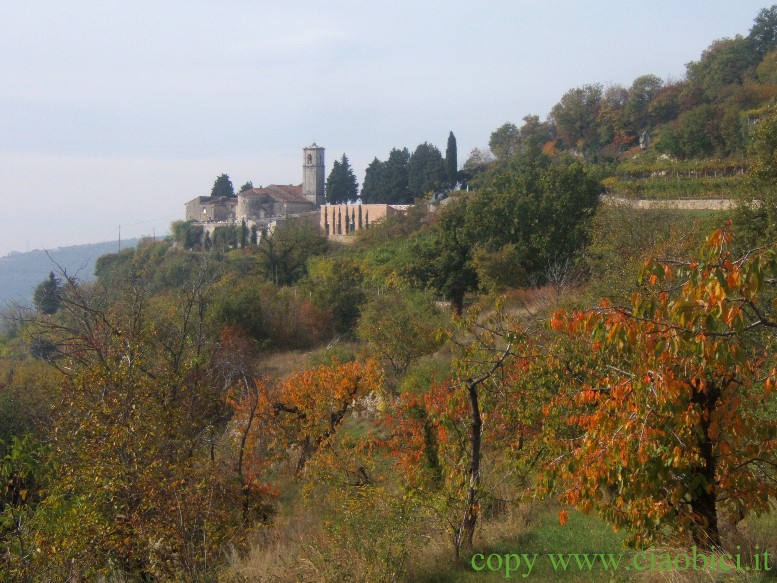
(451, 162)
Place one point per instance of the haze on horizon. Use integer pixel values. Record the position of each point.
(114, 114)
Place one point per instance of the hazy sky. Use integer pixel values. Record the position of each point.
(116, 113)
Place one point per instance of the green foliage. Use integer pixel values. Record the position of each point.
(24, 476)
(154, 265)
(424, 373)
(282, 255)
(504, 141)
(724, 63)
(426, 171)
(335, 285)
(225, 238)
(477, 165)
(369, 534)
(543, 209)
(187, 234)
(643, 91)
(222, 186)
(114, 265)
(622, 239)
(757, 221)
(575, 117)
(509, 141)
(529, 213)
(341, 185)
(696, 134)
(47, 297)
(443, 260)
(136, 421)
(678, 185)
(386, 182)
(279, 318)
(401, 327)
(27, 393)
(451, 161)
(247, 186)
(500, 269)
(239, 303)
(763, 34)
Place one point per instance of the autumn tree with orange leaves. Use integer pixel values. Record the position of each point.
(299, 416)
(664, 418)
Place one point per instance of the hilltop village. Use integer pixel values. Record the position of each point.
(261, 210)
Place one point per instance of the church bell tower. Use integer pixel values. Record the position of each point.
(313, 180)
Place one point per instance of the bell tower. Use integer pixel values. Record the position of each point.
(313, 180)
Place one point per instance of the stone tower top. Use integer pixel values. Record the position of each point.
(313, 179)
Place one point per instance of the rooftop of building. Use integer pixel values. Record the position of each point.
(279, 193)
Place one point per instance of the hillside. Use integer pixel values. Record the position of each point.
(21, 272)
(561, 360)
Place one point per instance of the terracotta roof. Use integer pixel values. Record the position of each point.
(280, 192)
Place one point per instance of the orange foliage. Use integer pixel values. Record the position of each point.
(301, 413)
(667, 411)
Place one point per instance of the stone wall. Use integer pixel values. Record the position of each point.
(343, 219)
(207, 209)
(687, 204)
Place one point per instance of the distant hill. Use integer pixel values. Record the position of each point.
(20, 273)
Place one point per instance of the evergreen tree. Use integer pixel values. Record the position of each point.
(341, 186)
(426, 171)
(374, 178)
(48, 295)
(223, 187)
(247, 186)
(397, 169)
(386, 182)
(451, 161)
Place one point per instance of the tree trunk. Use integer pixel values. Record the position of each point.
(704, 499)
(472, 510)
(457, 301)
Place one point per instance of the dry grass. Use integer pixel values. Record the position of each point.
(281, 364)
(328, 536)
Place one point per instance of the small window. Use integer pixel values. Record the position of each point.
(310, 158)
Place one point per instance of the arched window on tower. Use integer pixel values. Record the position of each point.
(310, 158)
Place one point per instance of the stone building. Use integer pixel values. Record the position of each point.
(262, 209)
(313, 174)
(271, 201)
(205, 209)
(265, 207)
(341, 220)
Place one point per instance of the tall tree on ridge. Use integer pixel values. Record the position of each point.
(451, 161)
(426, 170)
(223, 187)
(341, 185)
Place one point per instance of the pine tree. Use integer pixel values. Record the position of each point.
(48, 295)
(223, 187)
(426, 171)
(341, 185)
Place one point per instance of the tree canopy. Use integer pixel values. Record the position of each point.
(451, 161)
(426, 171)
(48, 295)
(341, 185)
(387, 182)
(223, 187)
